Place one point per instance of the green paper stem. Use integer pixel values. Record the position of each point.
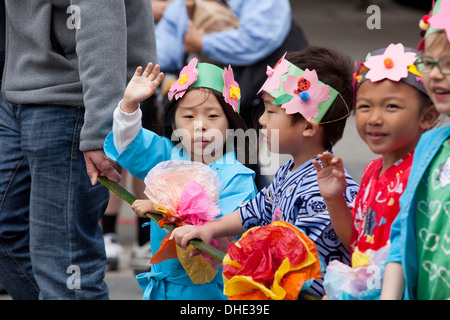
(130, 198)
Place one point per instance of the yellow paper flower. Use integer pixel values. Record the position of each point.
(235, 92)
(183, 78)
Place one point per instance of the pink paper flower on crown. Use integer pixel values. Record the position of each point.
(272, 83)
(306, 93)
(441, 20)
(392, 64)
(231, 91)
(188, 75)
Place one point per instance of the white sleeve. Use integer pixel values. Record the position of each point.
(126, 127)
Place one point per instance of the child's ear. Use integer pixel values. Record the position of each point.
(429, 117)
(311, 128)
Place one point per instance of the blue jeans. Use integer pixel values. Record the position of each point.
(51, 245)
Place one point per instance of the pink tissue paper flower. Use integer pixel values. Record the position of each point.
(195, 206)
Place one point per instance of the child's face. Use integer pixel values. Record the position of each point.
(201, 127)
(436, 83)
(280, 134)
(389, 117)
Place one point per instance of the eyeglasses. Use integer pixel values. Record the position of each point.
(425, 65)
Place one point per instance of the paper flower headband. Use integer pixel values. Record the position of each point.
(395, 63)
(207, 75)
(439, 20)
(298, 91)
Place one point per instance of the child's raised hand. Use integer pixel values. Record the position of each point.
(330, 175)
(141, 207)
(141, 86)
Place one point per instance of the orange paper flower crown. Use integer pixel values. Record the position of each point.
(395, 63)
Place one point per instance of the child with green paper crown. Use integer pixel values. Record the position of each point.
(392, 110)
(204, 105)
(306, 97)
(419, 260)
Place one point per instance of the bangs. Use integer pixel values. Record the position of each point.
(437, 42)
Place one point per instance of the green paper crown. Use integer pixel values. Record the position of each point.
(210, 76)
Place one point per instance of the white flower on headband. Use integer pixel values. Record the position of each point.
(392, 64)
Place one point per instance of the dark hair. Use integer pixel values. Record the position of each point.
(235, 121)
(424, 100)
(335, 69)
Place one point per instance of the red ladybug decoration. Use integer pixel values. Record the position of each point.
(303, 85)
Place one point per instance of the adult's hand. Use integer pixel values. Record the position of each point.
(97, 163)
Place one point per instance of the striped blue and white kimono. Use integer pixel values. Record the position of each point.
(297, 195)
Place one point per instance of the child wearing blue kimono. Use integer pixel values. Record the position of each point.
(205, 104)
(303, 117)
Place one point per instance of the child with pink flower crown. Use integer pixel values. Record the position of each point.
(205, 104)
(418, 265)
(392, 110)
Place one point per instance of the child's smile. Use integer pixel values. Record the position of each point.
(376, 136)
(388, 117)
(440, 93)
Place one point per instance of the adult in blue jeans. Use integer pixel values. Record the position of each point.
(65, 70)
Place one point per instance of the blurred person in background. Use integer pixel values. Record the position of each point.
(66, 66)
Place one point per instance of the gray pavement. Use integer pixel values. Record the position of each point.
(337, 23)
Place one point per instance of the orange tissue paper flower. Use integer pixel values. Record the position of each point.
(270, 262)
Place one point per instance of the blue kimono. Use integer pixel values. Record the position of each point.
(168, 280)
